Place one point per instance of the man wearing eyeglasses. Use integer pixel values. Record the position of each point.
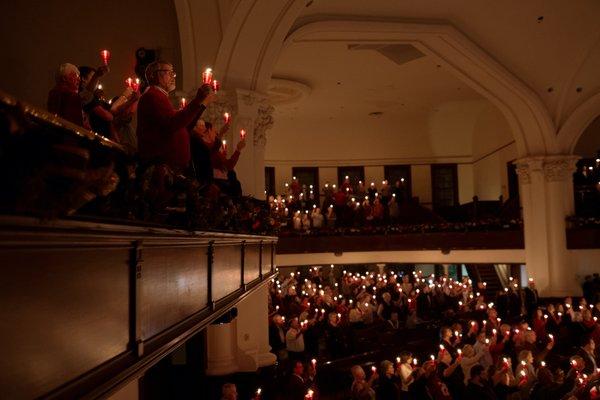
(161, 130)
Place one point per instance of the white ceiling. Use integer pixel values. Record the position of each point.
(422, 103)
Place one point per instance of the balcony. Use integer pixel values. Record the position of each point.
(88, 306)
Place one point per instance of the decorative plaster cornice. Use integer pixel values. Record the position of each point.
(552, 168)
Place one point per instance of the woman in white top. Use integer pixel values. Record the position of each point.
(405, 372)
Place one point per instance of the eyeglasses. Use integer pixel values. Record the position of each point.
(169, 71)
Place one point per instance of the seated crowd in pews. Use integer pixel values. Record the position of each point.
(360, 210)
(505, 345)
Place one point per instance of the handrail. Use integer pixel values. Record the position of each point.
(58, 122)
(89, 306)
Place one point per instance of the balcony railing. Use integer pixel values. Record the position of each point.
(87, 306)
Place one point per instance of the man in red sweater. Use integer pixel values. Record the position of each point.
(161, 131)
(63, 99)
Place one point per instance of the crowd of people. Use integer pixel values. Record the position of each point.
(359, 209)
(176, 168)
(504, 345)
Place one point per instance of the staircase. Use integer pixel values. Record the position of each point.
(485, 273)
(89, 306)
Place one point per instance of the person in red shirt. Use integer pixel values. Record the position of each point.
(222, 165)
(161, 130)
(63, 99)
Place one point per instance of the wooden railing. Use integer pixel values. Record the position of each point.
(504, 239)
(86, 306)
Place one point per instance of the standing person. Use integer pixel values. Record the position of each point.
(531, 299)
(297, 385)
(205, 142)
(124, 108)
(294, 339)
(64, 99)
(478, 388)
(161, 131)
(222, 165)
(388, 388)
(361, 388)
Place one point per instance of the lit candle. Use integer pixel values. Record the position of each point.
(135, 85)
(207, 76)
(105, 55)
(374, 369)
(258, 392)
(242, 134)
(415, 361)
(215, 85)
(226, 117)
(224, 147)
(182, 103)
(129, 82)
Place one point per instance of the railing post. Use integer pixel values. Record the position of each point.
(243, 265)
(210, 257)
(272, 256)
(135, 298)
(260, 260)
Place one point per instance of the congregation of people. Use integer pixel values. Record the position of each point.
(175, 159)
(360, 209)
(504, 345)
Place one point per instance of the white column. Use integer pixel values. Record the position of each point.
(546, 191)
(221, 349)
(253, 332)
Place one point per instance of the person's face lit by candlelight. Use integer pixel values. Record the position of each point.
(161, 75)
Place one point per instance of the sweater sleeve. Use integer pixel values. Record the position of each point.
(171, 120)
(231, 163)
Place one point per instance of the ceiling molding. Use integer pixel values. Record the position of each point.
(577, 122)
(284, 91)
(530, 121)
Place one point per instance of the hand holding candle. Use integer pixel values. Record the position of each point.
(105, 55)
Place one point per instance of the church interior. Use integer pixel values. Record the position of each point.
(434, 234)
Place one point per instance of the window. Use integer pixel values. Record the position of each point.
(394, 173)
(354, 173)
(270, 181)
(444, 185)
(308, 176)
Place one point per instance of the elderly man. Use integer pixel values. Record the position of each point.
(63, 99)
(66, 98)
(161, 131)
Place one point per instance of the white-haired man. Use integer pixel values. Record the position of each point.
(64, 99)
(161, 130)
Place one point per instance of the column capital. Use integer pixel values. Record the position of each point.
(553, 168)
(264, 121)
